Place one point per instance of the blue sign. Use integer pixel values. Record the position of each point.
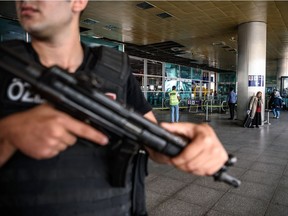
(255, 81)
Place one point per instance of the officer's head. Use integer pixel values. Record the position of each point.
(43, 18)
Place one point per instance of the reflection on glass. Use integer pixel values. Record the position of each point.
(196, 73)
(227, 77)
(11, 30)
(284, 86)
(171, 70)
(185, 72)
(154, 68)
(140, 79)
(137, 66)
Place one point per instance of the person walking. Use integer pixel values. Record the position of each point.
(232, 100)
(174, 99)
(255, 107)
(276, 105)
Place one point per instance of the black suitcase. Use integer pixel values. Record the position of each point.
(247, 121)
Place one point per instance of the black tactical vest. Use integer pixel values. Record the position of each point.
(77, 181)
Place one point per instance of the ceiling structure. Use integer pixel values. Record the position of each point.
(194, 33)
(204, 32)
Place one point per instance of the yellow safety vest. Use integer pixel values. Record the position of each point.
(173, 98)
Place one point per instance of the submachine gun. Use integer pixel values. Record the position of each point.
(81, 100)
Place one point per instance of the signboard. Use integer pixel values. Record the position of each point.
(255, 81)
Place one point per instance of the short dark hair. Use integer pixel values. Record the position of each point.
(173, 87)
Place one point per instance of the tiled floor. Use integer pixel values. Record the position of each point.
(262, 167)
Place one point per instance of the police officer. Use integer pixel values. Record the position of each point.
(44, 168)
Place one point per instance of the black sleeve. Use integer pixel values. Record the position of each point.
(135, 98)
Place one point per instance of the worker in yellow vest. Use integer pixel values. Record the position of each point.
(174, 104)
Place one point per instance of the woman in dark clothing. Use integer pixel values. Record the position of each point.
(271, 99)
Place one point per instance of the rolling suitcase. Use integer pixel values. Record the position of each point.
(247, 121)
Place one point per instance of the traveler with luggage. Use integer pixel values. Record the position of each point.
(254, 110)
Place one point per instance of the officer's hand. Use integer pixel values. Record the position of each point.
(204, 155)
(43, 132)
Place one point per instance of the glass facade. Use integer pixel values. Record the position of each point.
(225, 81)
(284, 86)
(155, 78)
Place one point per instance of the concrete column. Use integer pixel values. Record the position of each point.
(251, 68)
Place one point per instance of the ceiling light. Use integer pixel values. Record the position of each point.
(233, 39)
(97, 36)
(164, 15)
(83, 29)
(89, 21)
(232, 50)
(219, 43)
(144, 5)
(226, 47)
(110, 27)
(176, 49)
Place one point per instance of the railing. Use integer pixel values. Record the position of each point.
(197, 105)
(215, 105)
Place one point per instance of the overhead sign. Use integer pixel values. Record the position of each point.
(255, 81)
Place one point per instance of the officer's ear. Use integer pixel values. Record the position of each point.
(79, 5)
